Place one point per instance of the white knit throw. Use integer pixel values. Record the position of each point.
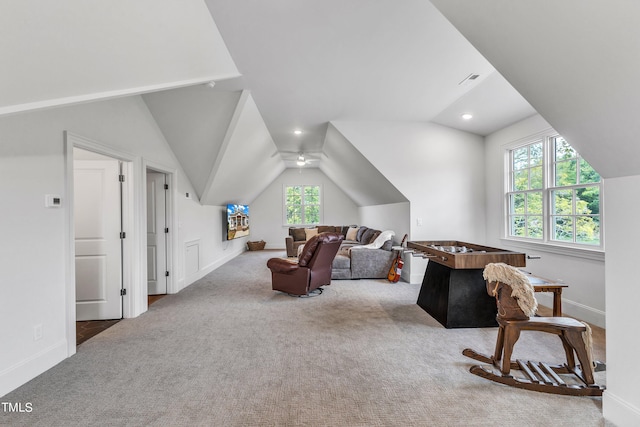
(377, 244)
(521, 288)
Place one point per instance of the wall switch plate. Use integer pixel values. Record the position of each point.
(52, 201)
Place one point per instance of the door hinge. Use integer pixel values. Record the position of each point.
(166, 274)
(121, 178)
(123, 235)
(166, 230)
(123, 292)
(166, 186)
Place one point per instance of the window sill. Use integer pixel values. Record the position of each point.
(592, 254)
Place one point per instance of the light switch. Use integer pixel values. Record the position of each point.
(52, 201)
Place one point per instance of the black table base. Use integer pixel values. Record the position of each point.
(457, 298)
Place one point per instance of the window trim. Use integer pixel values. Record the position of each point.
(284, 205)
(595, 252)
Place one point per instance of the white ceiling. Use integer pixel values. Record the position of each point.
(309, 63)
(576, 62)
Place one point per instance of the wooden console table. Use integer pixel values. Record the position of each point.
(540, 284)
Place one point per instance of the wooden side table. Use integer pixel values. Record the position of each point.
(540, 284)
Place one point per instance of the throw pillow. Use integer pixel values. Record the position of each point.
(360, 233)
(310, 232)
(365, 239)
(375, 236)
(352, 233)
(298, 234)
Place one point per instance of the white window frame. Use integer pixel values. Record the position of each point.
(304, 222)
(547, 243)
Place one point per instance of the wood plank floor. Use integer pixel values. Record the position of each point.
(91, 328)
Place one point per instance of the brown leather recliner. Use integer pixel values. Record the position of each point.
(312, 268)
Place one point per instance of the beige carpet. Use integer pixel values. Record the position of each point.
(229, 351)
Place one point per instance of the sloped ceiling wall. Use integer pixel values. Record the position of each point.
(354, 174)
(246, 164)
(220, 140)
(194, 121)
(82, 50)
(576, 63)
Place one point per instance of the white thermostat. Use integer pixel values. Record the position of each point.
(52, 201)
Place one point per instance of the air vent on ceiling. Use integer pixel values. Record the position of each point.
(469, 79)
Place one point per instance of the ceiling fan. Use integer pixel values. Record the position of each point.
(300, 158)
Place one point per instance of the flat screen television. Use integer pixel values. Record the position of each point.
(237, 221)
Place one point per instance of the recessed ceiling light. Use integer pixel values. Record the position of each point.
(467, 116)
(297, 132)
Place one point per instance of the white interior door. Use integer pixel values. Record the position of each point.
(97, 210)
(156, 233)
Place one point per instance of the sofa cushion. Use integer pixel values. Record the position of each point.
(310, 232)
(374, 236)
(370, 263)
(387, 245)
(327, 229)
(361, 231)
(352, 233)
(341, 261)
(298, 234)
(366, 236)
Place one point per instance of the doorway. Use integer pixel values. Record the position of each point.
(134, 299)
(98, 235)
(157, 233)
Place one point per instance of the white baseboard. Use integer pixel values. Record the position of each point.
(574, 309)
(569, 308)
(26, 370)
(209, 268)
(618, 411)
(275, 247)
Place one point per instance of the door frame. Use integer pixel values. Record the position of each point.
(134, 248)
(130, 211)
(171, 179)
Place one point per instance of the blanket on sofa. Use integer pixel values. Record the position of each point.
(377, 244)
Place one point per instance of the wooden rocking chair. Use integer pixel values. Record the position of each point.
(516, 303)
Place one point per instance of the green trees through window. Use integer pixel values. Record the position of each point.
(551, 173)
(302, 204)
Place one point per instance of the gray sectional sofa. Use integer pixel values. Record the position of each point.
(353, 261)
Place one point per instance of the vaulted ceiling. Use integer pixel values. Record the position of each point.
(306, 64)
(286, 64)
(576, 62)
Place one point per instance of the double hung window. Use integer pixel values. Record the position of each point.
(302, 205)
(553, 194)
